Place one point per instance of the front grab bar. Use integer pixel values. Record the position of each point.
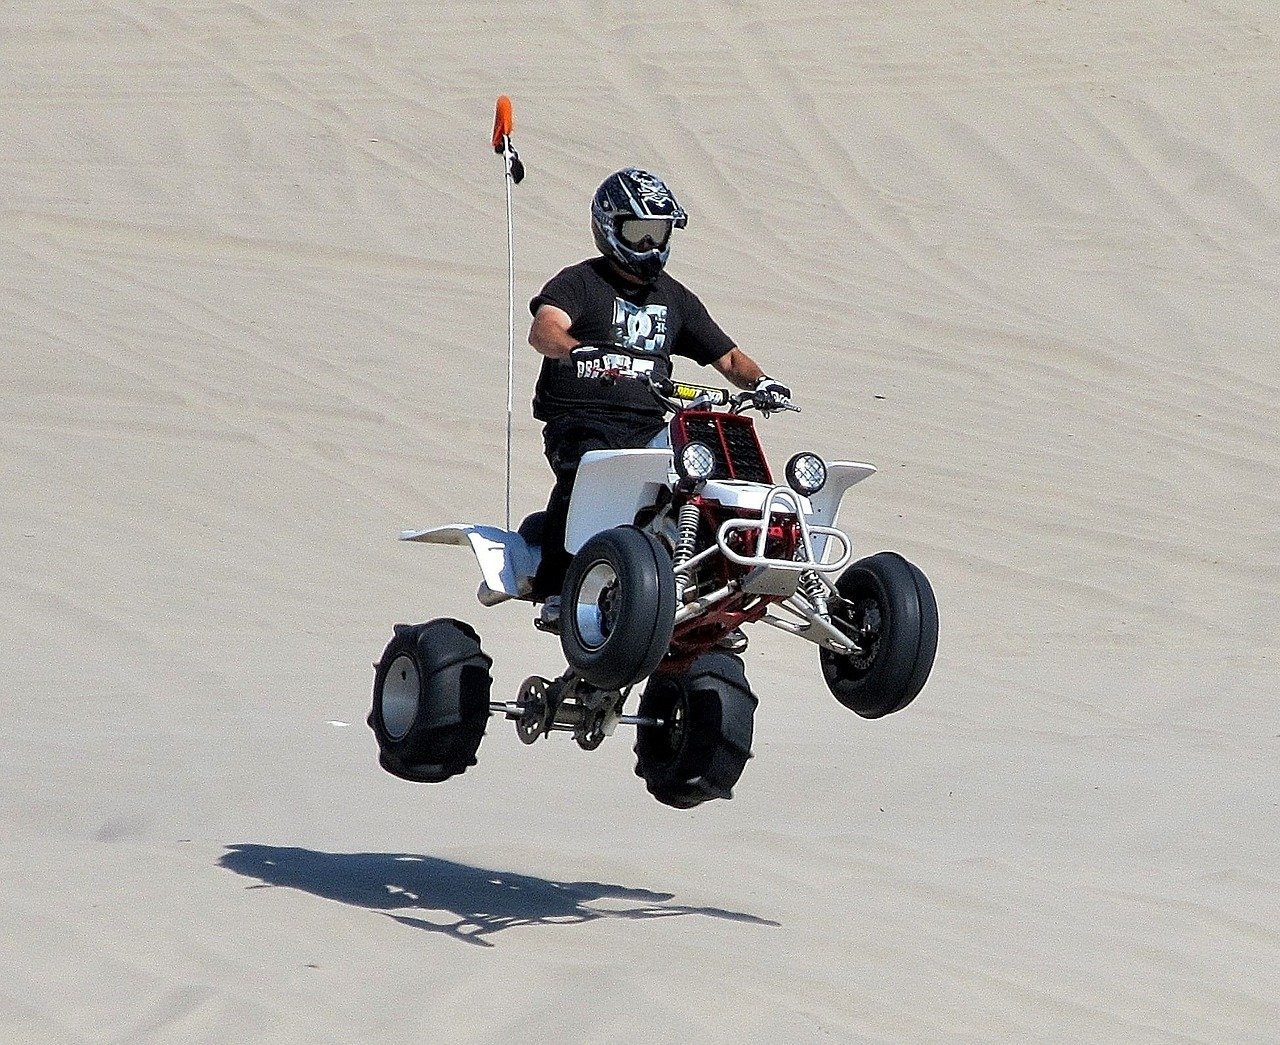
(809, 562)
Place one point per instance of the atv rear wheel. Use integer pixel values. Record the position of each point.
(886, 606)
(702, 746)
(430, 700)
(618, 607)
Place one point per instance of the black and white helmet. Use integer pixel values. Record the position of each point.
(632, 216)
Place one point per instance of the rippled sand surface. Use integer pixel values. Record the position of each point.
(1022, 256)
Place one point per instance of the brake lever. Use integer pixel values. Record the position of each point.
(776, 406)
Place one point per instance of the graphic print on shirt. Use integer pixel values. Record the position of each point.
(639, 328)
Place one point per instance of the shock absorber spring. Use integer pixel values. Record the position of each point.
(686, 545)
(812, 585)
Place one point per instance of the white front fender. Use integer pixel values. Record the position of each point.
(612, 485)
(840, 476)
(825, 504)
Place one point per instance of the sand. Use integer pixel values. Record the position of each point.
(1023, 256)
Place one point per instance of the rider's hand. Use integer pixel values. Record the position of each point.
(771, 395)
(597, 360)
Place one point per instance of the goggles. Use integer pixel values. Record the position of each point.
(634, 232)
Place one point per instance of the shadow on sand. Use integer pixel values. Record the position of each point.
(484, 902)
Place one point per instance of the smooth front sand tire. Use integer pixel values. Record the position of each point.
(887, 605)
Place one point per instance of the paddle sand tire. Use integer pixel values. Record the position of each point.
(430, 700)
(618, 607)
(702, 746)
(887, 606)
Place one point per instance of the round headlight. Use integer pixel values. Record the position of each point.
(696, 461)
(806, 473)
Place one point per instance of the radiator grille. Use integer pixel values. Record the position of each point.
(735, 435)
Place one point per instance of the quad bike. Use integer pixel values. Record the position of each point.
(675, 548)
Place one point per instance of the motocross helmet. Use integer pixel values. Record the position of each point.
(632, 217)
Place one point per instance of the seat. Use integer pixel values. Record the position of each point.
(531, 529)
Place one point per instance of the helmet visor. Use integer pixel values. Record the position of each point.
(645, 233)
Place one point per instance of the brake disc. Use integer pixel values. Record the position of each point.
(538, 709)
(590, 737)
(601, 712)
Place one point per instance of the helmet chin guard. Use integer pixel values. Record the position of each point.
(629, 194)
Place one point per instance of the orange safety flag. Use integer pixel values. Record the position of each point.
(503, 124)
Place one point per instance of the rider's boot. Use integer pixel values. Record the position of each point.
(548, 618)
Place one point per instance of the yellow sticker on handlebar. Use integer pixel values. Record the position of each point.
(714, 396)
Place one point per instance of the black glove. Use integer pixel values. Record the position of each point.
(597, 360)
(771, 394)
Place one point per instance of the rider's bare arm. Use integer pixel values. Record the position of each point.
(739, 368)
(549, 333)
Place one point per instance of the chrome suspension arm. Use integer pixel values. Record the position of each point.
(816, 629)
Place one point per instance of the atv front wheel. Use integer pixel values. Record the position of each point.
(430, 700)
(887, 609)
(618, 607)
(702, 746)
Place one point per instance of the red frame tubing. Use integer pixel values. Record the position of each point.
(703, 633)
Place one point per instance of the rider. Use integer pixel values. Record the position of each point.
(619, 310)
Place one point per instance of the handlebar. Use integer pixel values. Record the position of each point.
(678, 396)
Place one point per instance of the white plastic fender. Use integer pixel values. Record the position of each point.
(612, 485)
(738, 493)
(507, 563)
(826, 502)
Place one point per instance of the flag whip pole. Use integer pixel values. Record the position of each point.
(502, 128)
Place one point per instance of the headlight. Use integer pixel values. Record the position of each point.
(696, 461)
(806, 473)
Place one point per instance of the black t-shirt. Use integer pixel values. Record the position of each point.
(648, 322)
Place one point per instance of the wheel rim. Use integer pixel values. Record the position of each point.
(676, 727)
(863, 620)
(595, 608)
(663, 744)
(868, 618)
(400, 691)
